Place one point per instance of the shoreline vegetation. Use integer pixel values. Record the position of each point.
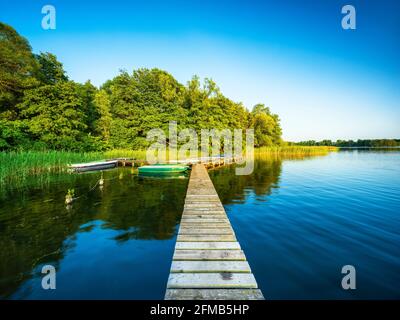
(360, 143)
(42, 109)
(295, 150)
(18, 166)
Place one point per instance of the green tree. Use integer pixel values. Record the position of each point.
(17, 69)
(103, 123)
(326, 143)
(13, 135)
(194, 104)
(51, 70)
(145, 100)
(267, 129)
(54, 116)
(207, 107)
(87, 92)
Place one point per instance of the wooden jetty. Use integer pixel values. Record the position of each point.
(209, 162)
(208, 263)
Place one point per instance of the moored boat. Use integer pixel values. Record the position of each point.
(91, 166)
(163, 168)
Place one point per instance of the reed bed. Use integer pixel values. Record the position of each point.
(125, 153)
(302, 151)
(18, 166)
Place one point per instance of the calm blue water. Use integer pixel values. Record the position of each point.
(298, 221)
(115, 242)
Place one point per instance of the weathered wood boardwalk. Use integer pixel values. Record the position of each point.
(208, 262)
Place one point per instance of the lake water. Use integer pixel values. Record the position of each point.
(299, 222)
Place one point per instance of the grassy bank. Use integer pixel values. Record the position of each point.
(15, 167)
(18, 166)
(125, 153)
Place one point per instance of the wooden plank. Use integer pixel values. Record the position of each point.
(202, 205)
(207, 203)
(192, 237)
(203, 209)
(191, 213)
(198, 192)
(198, 207)
(207, 245)
(211, 280)
(201, 216)
(203, 221)
(205, 217)
(208, 209)
(202, 225)
(205, 225)
(202, 200)
(194, 212)
(209, 255)
(203, 212)
(214, 294)
(183, 231)
(202, 196)
(193, 220)
(210, 266)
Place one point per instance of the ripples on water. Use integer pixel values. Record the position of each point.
(299, 221)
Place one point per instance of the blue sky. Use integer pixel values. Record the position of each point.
(294, 56)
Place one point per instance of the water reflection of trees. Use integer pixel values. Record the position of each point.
(149, 210)
(231, 187)
(36, 227)
(265, 177)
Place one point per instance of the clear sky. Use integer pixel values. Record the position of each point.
(292, 55)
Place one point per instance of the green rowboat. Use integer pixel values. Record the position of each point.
(164, 168)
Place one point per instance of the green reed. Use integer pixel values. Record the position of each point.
(295, 150)
(18, 166)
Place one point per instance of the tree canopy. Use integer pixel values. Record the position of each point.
(51, 70)
(17, 69)
(267, 131)
(41, 108)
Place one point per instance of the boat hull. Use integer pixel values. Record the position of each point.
(94, 166)
(162, 169)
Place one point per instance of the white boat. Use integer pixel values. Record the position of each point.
(91, 166)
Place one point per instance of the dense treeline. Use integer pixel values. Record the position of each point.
(368, 143)
(40, 108)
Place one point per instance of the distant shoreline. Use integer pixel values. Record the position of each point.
(394, 147)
